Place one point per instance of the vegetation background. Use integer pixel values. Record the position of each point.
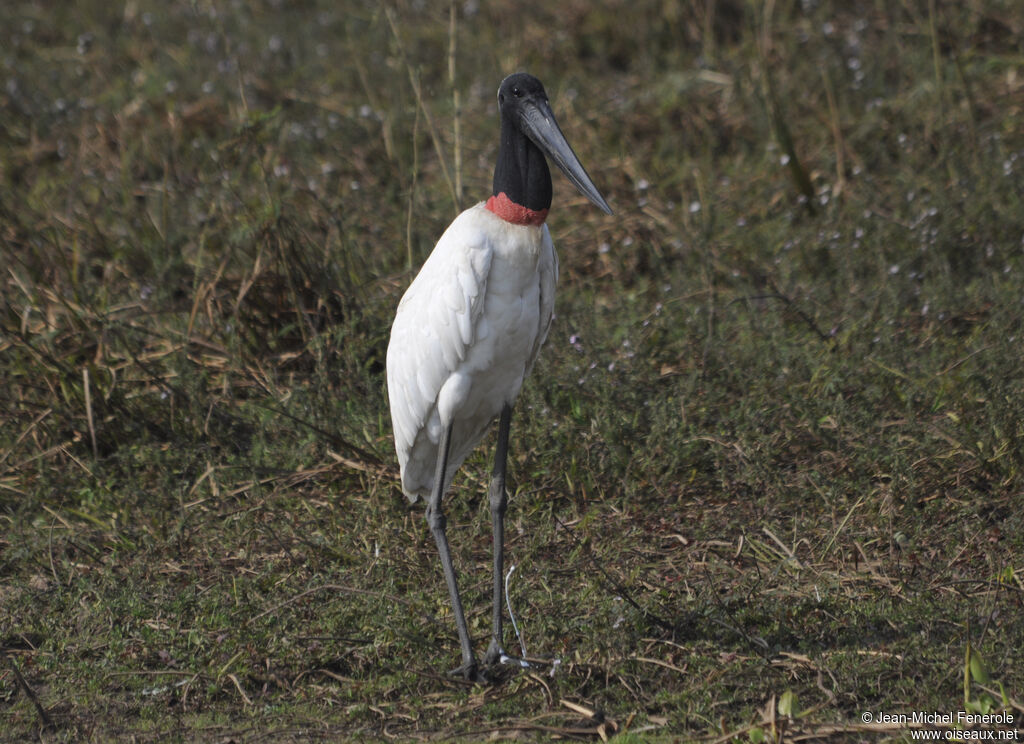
(767, 475)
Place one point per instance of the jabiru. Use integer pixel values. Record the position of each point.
(468, 329)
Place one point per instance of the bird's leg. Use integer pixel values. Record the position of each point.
(437, 522)
(499, 502)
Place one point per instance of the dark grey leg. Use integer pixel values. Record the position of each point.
(437, 522)
(499, 502)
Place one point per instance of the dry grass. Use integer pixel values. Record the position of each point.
(768, 473)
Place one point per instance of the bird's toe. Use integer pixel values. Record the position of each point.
(494, 654)
(497, 656)
(469, 672)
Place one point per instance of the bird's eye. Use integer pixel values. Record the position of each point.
(517, 93)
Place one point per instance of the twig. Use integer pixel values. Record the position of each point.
(371, 95)
(760, 645)
(785, 549)
(791, 305)
(456, 105)
(775, 116)
(412, 188)
(326, 587)
(659, 662)
(616, 585)
(88, 411)
(29, 693)
(334, 439)
(933, 31)
(418, 92)
(28, 430)
(842, 524)
(238, 686)
(837, 134)
(1000, 694)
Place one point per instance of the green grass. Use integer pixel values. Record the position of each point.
(768, 472)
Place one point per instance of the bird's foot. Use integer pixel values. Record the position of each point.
(470, 671)
(496, 655)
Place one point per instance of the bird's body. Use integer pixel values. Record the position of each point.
(468, 329)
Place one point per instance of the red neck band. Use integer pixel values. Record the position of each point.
(517, 214)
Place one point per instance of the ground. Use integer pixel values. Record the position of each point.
(766, 479)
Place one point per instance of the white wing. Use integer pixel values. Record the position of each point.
(548, 270)
(432, 334)
(466, 334)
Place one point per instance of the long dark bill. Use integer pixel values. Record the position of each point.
(540, 126)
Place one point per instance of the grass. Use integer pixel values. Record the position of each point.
(768, 472)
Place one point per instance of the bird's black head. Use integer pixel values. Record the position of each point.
(516, 90)
(529, 133)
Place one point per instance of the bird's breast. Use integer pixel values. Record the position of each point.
(465, 336)
(507, 329)
(516, 313)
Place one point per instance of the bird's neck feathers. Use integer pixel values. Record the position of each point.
(522, 181)
(503, 206)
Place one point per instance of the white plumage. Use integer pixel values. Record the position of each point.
(469, 328)
(466, 335)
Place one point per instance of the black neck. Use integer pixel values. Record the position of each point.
(522, 171)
